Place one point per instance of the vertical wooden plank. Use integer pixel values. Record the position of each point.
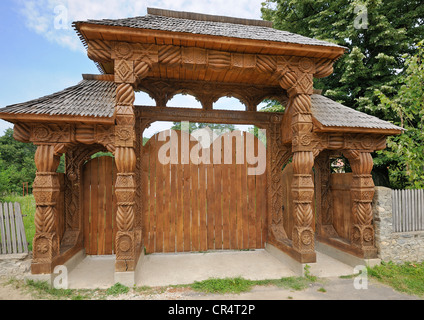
(2, 231)
(210, 204)
(18, 217)
(173, 210)
(240, 182)
(23, 234)
(261, 199)
(399, 210)
(12, 228)
(180, 195)
(101, 206)
(409, 210)
(152, 195)
(233, 194)
(394, 210)
(217, 199)
(108, 248)
(404, 215)
(194, 173)
(94, 209)
(173, 194)
(251, 197)
(7, 227)
(421, 209)
(244, 194)
(86, 195)
(261, 204)
(166, 207)
(414, 209)
(226, 189)
(186, 190)
(160, 183)
(202, 207)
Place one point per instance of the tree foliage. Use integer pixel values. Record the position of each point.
(406, 152)
(16, 163)
(218, 128)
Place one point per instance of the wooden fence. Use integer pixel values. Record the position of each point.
(408, 210)
(13, 239)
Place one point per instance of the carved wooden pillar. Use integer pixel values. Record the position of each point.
(297, 79)
(362, 193)
(46, 192)
(132, 64)
(125, 159)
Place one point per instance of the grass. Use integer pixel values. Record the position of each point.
(406, 278)
(239, 285)
(41, 290)
(28, 212)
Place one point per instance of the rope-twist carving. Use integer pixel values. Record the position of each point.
(125, 95)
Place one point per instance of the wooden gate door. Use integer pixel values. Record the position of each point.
(99, 176)
(191, 205)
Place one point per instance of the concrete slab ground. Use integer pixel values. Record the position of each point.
(173, 269)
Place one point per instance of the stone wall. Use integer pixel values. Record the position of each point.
(396, 247)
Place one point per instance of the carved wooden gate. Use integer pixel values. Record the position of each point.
(99, 207)
(202, 198)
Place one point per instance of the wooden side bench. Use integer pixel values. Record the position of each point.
(12, 232)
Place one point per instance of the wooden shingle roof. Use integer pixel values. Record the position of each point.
(333, 114)
(89, 98)
(202, 24)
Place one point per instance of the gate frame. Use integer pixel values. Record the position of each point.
(166, 63)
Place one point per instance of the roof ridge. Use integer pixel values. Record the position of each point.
(207, 17)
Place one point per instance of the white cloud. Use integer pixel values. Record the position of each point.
(53, 18)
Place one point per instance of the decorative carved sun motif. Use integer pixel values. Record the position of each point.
(306, 65)
(123, 50)
(306, 238)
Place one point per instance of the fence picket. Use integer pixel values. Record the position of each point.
(12, 230)
(408, 210)
(3, 237)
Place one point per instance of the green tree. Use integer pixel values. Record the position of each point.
(16, 163)
(406, 152)
(218, 128)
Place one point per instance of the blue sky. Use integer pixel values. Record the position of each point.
(41, 53)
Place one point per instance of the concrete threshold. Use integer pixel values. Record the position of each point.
(157, 270)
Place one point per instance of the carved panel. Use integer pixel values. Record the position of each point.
(278, 155)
